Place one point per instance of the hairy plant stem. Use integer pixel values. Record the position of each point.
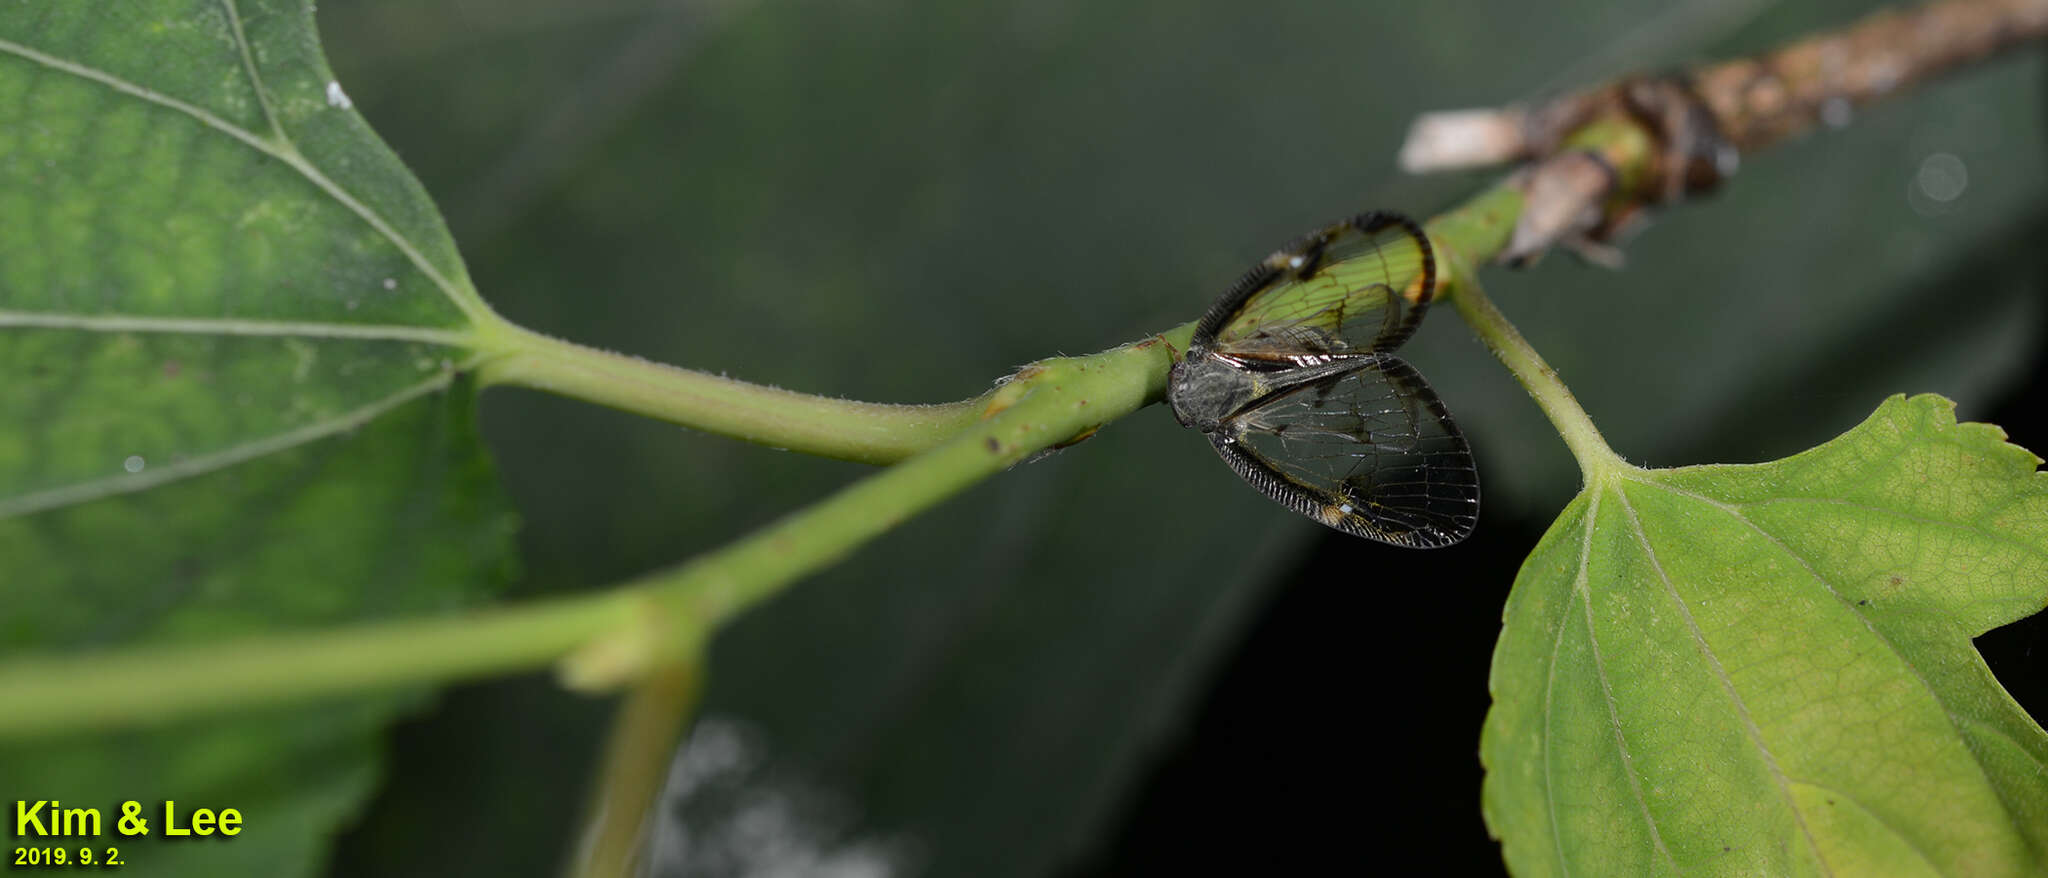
(1048, 404)
(650, 719)
(864, 432)
(157, 684)
(1595, 458)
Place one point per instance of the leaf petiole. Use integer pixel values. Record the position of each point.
(1596, 460)
(864, 432)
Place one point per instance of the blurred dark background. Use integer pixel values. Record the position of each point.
(1118, 660)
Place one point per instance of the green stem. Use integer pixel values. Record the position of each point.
(1461, 283)
(643, 740)
(865, 432)
(604, 640)
(1480, 227)
(157, 684)
(1047, 404)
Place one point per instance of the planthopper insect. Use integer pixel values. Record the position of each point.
(1292, 376)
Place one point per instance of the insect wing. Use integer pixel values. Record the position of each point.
(1356, 287)
(1370, 451)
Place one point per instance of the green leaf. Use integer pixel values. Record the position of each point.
(232, 325)
(1767, 669)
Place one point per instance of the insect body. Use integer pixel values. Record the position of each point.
(1292, 376)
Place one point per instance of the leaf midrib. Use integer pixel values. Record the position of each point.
(1720, 673)
(1582, 586)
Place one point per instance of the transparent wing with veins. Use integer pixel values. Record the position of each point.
(1359, 286)
(1370, 451)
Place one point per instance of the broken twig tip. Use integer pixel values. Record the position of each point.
(1455, 139)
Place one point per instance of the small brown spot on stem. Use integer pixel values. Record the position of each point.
(1078, 438)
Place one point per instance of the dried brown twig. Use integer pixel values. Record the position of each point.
(1601, 157)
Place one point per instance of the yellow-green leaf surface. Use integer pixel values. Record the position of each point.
(1767, 669)
(232, 327)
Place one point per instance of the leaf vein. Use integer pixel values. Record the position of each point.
(234, 15)
(1873, 814)
(281, 149)
(1721, 675)
(227, 326)
(126, 483)
(1952, 525)
(1955, 720)
(1581, 586)
(1549, 686)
